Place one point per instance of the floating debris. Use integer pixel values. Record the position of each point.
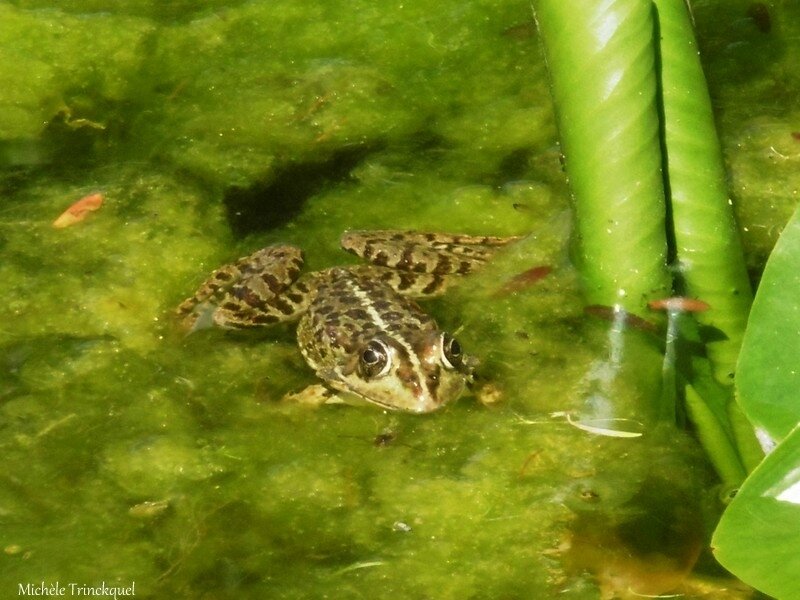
(598, 426)
(148, 509)
(595, 426)
(525, 279)
(78, 211)
(360, 565)
(384, 438)
(613, 313)
(678, 304)
(401, 526)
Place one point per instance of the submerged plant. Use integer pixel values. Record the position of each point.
(654, 219)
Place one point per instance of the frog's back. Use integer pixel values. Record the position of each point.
(349, 309)
(364, 339)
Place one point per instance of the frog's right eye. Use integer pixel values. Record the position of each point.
(452, 355)
(374, 360)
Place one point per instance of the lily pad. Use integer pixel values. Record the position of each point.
(758, 536)
(759, 529)
(769, 374)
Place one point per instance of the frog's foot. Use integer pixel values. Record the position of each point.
(257, 290)
(314, 395)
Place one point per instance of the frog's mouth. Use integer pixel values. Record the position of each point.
(404, 380)
(365, 401)
(355, 398)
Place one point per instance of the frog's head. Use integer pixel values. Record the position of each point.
(418, 372)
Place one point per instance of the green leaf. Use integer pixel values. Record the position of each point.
(759, 534)
(768, 378)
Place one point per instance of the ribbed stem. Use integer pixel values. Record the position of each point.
(602, 66)
(707, 247)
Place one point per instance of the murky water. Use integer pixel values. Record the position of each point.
(134, 456)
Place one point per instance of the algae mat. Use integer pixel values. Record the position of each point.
(134, 456)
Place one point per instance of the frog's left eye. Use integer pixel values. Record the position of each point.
(452, 355)
(374, 360)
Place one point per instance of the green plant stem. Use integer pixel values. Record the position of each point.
(724, 456)
(708, 251)
(601, 60)
(708, 254)
(708, 404)
(602, 67)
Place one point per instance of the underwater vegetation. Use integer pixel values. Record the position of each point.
(179, 136)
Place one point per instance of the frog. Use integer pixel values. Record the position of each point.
(359, 327)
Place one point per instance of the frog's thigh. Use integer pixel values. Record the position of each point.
(314, 395)
(259, 289)
(436, 253)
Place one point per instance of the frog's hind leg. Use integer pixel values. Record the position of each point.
(439, 253)
(256, 290)
(422, 264)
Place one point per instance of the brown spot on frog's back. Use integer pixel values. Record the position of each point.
(357, 314)
(262, 319)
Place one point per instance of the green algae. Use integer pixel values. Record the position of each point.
(751, 69)
(415, 117)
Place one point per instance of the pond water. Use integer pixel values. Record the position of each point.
(136, 456)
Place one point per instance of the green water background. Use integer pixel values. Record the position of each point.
(214, 128)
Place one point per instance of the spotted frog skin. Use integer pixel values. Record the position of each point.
(359, 326)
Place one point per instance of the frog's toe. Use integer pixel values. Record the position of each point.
(314, 395)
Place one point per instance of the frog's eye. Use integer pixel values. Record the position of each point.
(452, 355)
(374, 360)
